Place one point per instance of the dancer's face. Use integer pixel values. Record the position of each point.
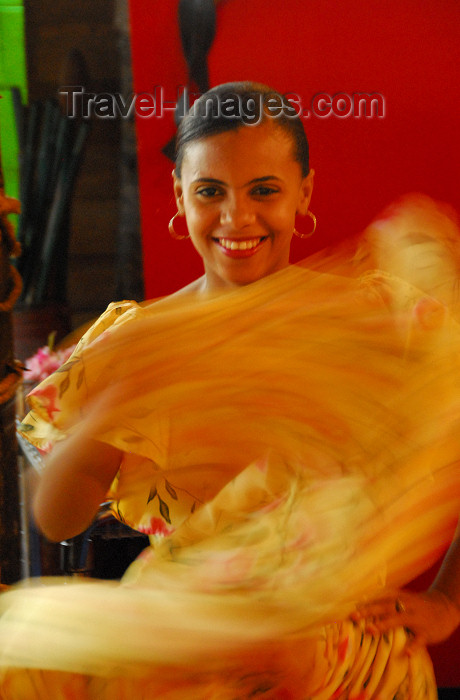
(240, 191)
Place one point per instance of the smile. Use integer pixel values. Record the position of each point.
(231, 244)
(239, 248)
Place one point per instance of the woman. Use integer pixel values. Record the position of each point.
(278, 433)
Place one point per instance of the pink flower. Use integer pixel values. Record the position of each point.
(45, 362)
(430, 313)
(47, 396)
(46, 447)
(157, 527)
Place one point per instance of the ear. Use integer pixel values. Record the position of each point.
(306, 189)
(178, 193)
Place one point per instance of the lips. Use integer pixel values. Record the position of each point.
(240, 248)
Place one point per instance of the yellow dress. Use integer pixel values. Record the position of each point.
(290, 447)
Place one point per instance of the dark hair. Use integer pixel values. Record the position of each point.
(230, 106)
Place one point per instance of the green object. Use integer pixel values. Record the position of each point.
(12, 78)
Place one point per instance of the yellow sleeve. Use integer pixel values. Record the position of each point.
(60, 394)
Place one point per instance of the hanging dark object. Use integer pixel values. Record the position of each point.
(197, 25)
(10, 376)
(52, 153)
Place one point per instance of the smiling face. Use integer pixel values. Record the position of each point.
(240, 191)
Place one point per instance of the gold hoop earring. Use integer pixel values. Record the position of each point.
(176, 236)
(307, 235)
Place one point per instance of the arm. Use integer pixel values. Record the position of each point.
(74, 483)
(432, 616)
(80, 469)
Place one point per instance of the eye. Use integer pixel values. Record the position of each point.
(263, 191)
(208, 191)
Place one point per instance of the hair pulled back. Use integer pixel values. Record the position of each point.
(231, 106)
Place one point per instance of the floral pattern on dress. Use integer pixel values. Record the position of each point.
(273, 530)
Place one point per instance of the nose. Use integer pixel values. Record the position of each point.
(237, 212)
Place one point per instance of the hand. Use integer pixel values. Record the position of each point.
(429, 617)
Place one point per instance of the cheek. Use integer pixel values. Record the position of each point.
(199, 228)
(194, 220)
(197, 216)
(282, 218)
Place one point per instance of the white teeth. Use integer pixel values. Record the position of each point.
(239, 245)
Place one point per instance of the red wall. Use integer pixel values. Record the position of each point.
(405, 50)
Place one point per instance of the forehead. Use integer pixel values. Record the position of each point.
(248, 151)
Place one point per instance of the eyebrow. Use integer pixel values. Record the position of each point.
(256, 180)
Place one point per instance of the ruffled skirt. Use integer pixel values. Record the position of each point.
(294, 446)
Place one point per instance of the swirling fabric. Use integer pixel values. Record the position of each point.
(291, 447)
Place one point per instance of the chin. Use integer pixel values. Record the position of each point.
(244, 280)
(244, 276)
